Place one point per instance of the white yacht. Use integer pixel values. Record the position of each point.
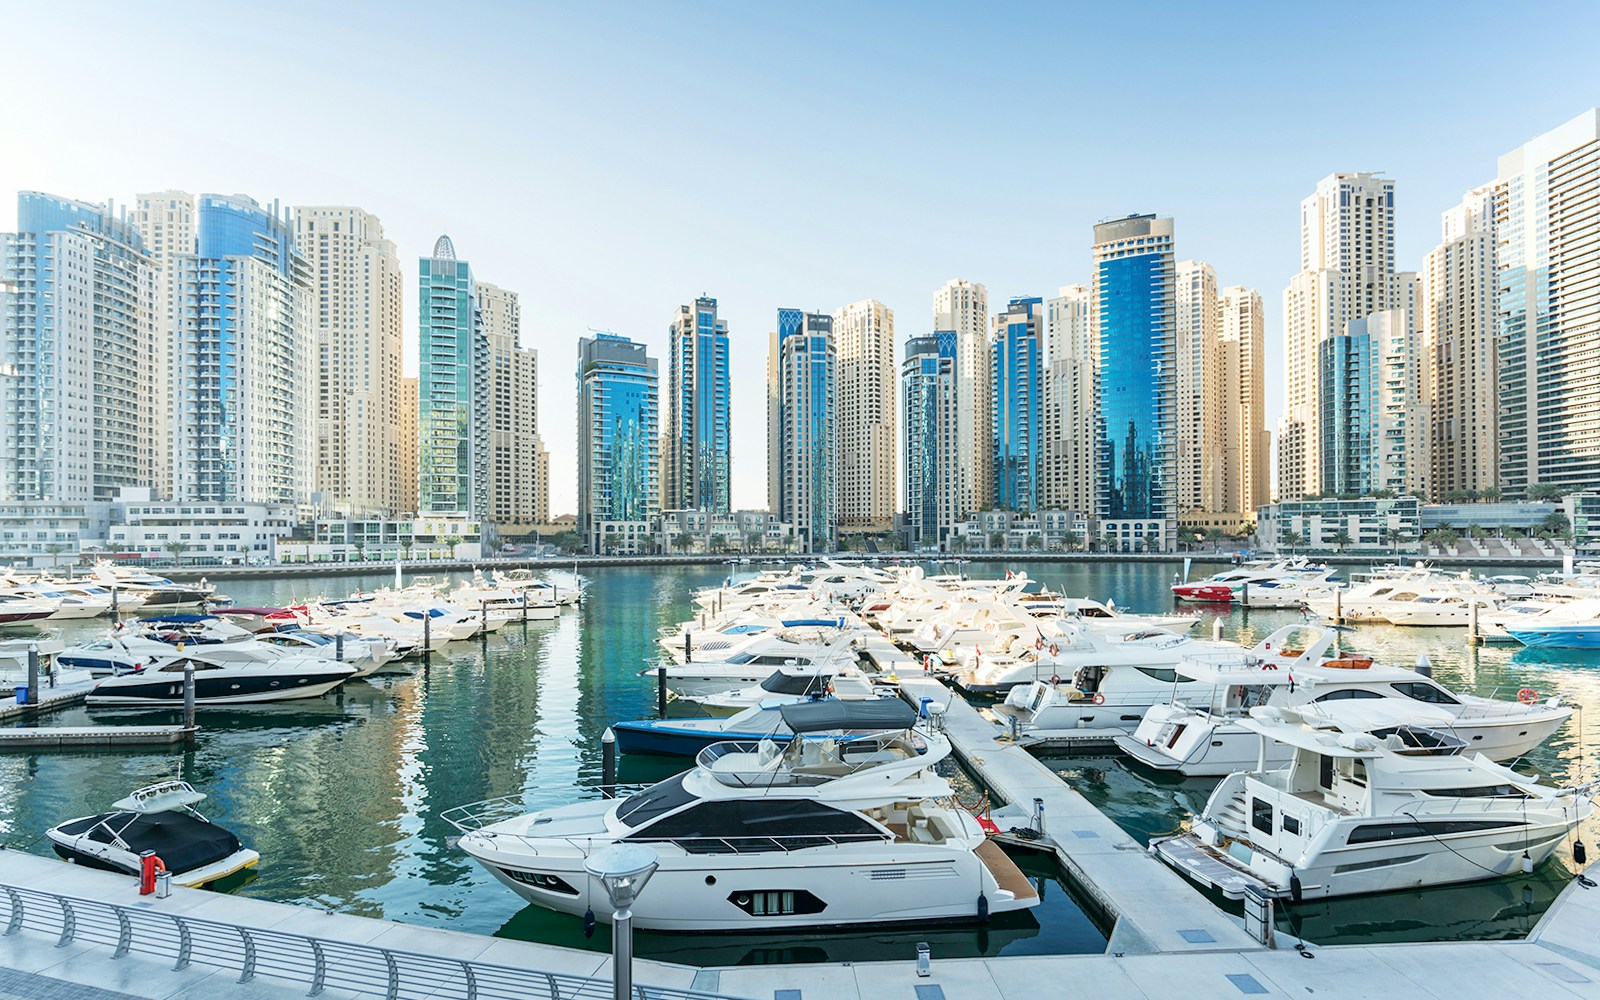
(839, 680)
(221, 681)
(821, 832)
(157, 592)
(1076, 653)
(1356, 813)
(1203, 736)
(159, 818)
(753, 662)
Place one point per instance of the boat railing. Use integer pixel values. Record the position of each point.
(475, 816)
(308, 963)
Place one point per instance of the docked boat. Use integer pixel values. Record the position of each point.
(1085, 655)
(834, 831)
(219, 680)
(157, 592)
(1224, 587)
(751, 663)
(159, 818)
(1357, 813)
(761, 721)
(839, 680)
(16, 610)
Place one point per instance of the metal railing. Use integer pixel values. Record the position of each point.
(316, 964)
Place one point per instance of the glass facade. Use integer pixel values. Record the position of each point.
(1345, 367)
(928, 387)
(453, 389)
(698, 431)
(618, 396)
(805, 474)
(1134, 313)
(1017, 397)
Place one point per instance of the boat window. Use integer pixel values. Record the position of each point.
(659, 798)
(1291, 825)
(1261, 815)
(777, 902)
(1159, 674)
(176, 666)
(1478, 792)
(1325, 771)
(1373, 833)
(1420, 691)
(746, 825)
(1349, 694)
(739, 658)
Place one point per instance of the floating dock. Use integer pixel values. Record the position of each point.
(65, 737)
(51, 699)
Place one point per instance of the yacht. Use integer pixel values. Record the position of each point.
(1203, 737)
(1571, 634)
(1224, 587)
(755, 661)
(518, 604)
(16, 610)
(846, 825)
(1441, 608)
(840, 680)
(68, 606)
(159, 818)
(1086, 656)
(539, 591)
(1357, 813)
(158, 592)
(761, 721)
(222, 681)
(14, 664)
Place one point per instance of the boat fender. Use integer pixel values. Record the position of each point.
(1099, 699)
(1038, 644)
(983, 908)
(1294, 887)
(1580, 854)
(588, 922)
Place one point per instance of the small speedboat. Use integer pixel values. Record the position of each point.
(159, 818)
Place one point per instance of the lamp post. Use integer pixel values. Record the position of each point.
(623, 869)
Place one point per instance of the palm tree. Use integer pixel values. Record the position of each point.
(997, 541)
(1341, 538)
(405, 549)
(957, 543)
(177, 549)
(1072, 540)
(54, 550)
(752, 541)
(1035, 542)
(683, 540)
(360, 546)
(1293, 539)
(1490, 495)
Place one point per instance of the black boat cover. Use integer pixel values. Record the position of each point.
(182, 842)
(866, 714)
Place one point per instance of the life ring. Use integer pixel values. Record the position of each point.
(1038, 644)
(1055, 650)
(1527, 696)
(1099, 699)
(1055, 679)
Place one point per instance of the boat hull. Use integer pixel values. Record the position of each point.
(167, 689)
(1577, 637)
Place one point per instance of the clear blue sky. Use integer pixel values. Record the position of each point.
(609, 161)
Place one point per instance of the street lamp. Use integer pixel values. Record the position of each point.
(623, 869)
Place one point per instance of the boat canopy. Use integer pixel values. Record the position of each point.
(865, 714)
(166, 796)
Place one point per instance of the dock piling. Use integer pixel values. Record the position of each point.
(188, 698)
(427, 639)
(33, 674)
(1216, 629)
(1338, 606)
(1473, 638)
(338, 647)
(608, 763)
(661, 690)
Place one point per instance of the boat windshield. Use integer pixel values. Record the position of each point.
(661, 797)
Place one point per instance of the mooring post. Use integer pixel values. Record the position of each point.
(338, 646)
(33, 674)
(1473, 638)
(661, 690)
(608, 763)
(188, 700)
(427, 639)
(1338, 606)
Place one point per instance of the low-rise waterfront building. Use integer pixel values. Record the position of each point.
(196, 533)
(1017, 531)
(1370, 524)
(685, 531)
(43, 534)
(384, 540)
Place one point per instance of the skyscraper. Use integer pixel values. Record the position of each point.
(1017, 395)
(1134, 302)
(963, 308)
(802, 460)
(77, 337)
(1346, 273)
(1246, 444)
(1458, 350)
(928, 387)
(1199, 388)
(1067, 472)
(167, 220)
(518, 485)
(409, 448)
(618, 406)
(358, 323)
(863, 333)
(1369, 400)
(697, 436)
(1547, 231)
(241, 351)
(452, 388)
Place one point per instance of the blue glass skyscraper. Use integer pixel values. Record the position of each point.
(1017, 397)
(697, 438)
(1134, 303)
(928, 397)
(801, 472)
(618, 397)
(453, 388)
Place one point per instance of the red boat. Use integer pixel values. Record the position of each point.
(16, 610)
(1203, 593)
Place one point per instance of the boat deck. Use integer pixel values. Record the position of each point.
(1005, 871)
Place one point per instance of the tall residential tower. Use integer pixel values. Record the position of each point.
(928, 401)
(802, 427)
(863, 334)
(618, 407)
(518, 465)
(697, 459)
(452, 388)
(962, 307)
(1017, 404)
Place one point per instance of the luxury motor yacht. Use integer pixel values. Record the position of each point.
(752, 662)
(1082, 653)
(761, 721)
(159, 818)
(1203, 737)
(15, 610)
(528, 603)
(1223, 587)
(1357, 813)
(68, 606)
(1571, 634)
(1534, 613)
(222, 681)
(852, 828)
(840, 680)
(158, 592)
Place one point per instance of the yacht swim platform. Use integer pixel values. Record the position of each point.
(1005, 871)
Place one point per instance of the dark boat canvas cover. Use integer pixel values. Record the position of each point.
(183, 842)
(866, 714)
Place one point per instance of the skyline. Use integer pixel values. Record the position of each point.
(827, 178)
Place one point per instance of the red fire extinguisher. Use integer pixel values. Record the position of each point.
(149, 864)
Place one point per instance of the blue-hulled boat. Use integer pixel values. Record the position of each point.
(1567, 635)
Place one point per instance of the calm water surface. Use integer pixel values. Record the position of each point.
(342, 795)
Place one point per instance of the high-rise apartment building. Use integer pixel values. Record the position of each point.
(1371, 402)
(241, 350)
(1066, 477)
(1547, 235)
(618, 410)
(1016, 396)
(1458, 351)
(167, 220)
(963, 308)
(928, 388)
(409, 448)
(696, 446)
(1346, 273)
(1246, 445)
(77, 344)
(863, 335)
(453, 388)
(1199, 388)
(518, 466)
(357, 317)
(1134, 302)
(802, 428)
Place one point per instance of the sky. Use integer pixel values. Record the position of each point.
(609, 161)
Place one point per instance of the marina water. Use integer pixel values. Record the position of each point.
(341, 795)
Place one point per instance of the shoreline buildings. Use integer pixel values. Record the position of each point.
(618, 407)
(802, 428)
(863, 335)
(452, 388)
(697, 454)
